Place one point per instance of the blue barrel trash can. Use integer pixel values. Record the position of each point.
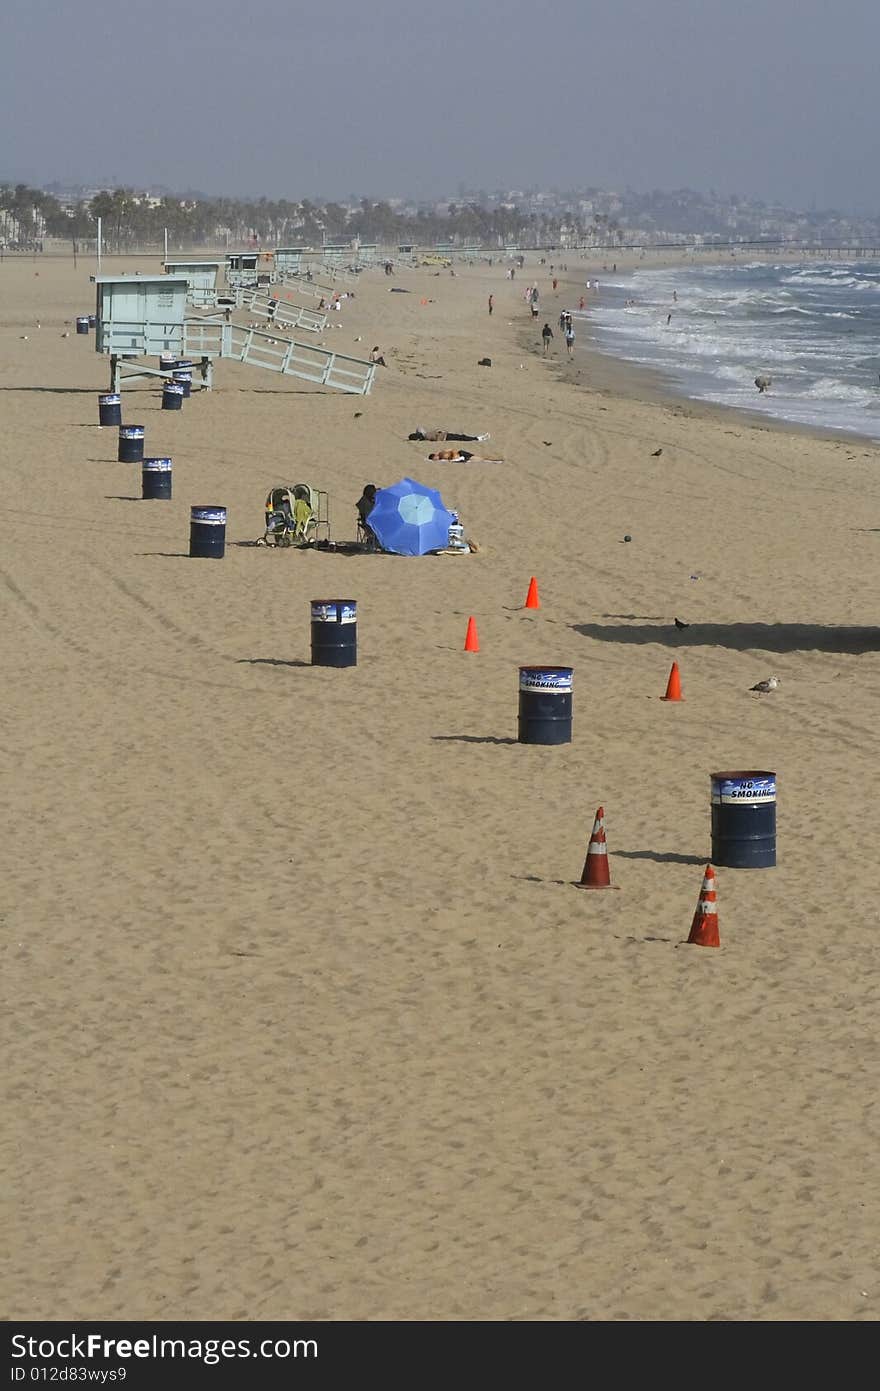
(93, 321)
(184, 379)
(82, 323)
(172, 396)
(744, 819)
(131, 444)
(110, 408)
(545, 695)
(156, 479)
(207, 532)
(334, 633)
(167, 362)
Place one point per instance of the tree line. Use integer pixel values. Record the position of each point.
(132, 220)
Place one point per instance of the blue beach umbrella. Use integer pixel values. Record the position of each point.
(410, 519)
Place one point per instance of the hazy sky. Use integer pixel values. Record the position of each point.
(770, 98)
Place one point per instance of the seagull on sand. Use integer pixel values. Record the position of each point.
(764, 686)
(678, 623)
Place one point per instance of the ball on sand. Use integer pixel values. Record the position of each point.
(627, 537)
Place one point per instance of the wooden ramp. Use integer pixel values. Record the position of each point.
(287, 315)
(203, 340)
(289, 280)
(259, 348)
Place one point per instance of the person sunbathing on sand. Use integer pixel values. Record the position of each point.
(420, 433)
(461, 456)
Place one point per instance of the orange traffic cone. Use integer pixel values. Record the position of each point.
(596, 873)
(532, 600)
(471, 641)
(673, 685)
(704, 928)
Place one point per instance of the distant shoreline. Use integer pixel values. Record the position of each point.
(606, 374)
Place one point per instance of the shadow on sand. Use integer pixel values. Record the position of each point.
(741, 637)
(660, 857)
(270, 662)
(56, 390)
(472, 739)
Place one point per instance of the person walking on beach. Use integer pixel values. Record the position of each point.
(491, 303)
(546, 334)
(582, 303)
(569, 339)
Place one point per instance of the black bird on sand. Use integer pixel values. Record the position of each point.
(656, 454)
(678, 623)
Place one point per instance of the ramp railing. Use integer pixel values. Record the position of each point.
(209, 338)
(285, 315)
(312, 364)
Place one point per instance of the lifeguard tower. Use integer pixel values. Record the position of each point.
(406, 252)
(367, 253)
(139, 316)
(246, 270)
(292, 260)
(337, 254)
(144, 316)
(202, 278)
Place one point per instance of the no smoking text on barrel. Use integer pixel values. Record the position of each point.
(744, 819)
(207, 532)
(156, 479)
(184, 379)
(110, 408)
(334, 633)
(131, 444)
(545, 705)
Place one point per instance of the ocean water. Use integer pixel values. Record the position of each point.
(814, 328)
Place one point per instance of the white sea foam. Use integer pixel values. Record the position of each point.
(810, 327)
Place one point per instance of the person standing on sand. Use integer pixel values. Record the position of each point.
(583, 303)
(491, 303)
(569, 339)
(546, 334)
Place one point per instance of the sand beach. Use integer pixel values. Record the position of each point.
(303, 1016)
